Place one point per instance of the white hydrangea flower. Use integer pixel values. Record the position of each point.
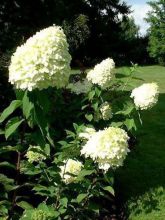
(103, 73)
(87, 133)
(106, 111)
(42, 61)
(70, 167)
(107, 147)
(79, 87)
(34, 156)
(145, 96)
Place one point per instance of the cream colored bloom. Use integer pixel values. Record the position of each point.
(145, 96)
(102, 74)
(34, 156)
(106, 111)
(79, 87)
(87, 133)
(107, 147)
(72, 167)
(42, 61)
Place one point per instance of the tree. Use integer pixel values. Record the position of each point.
(156, 19)
(19, 19)
(105, 27)
(77, 32)
(129, 35)
(130, 30)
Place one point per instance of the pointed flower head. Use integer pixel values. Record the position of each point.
(145, 96)
(108, 147)
(42, 61)
(102, 74)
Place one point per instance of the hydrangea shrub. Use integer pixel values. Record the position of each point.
(64, 136)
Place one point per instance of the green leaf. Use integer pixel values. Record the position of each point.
(10, 109)
(62, 210)
(55, 214)
(62, 143)
(27, 105)
(49, 138)
(19, 94)
(117, 124)
(89, 117)
(4, 207)
(109, 177)
(109, 189)
(95, 106)
(27, 214)
(84, 106)
(130, 124)
(84, 173)
(5, 149)
(12, 128)
(4, 212)
(98, 91)
(29, 169)
(94, 207)
(75, 126)
(127, 111)
(7, 164)
(44, 190)
(81, 197)
(41, 121)
(47, 149)
(91, 95)
(64, 202)
(24, 205)
(8, 183)
(43, 207)
(5, 202)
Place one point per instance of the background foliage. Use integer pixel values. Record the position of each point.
(156, 18)
(95, 29)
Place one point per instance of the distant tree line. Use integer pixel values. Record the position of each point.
(95, 29)
(156, 19)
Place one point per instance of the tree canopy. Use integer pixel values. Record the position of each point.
(95, 20)
(95, 29)
(156, 19)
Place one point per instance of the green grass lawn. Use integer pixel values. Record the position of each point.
(141, 182)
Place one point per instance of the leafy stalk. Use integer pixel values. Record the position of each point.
(22, 135)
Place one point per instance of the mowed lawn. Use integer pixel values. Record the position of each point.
(141, 181)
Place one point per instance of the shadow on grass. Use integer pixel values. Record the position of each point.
(140, 183)
(121, 76)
